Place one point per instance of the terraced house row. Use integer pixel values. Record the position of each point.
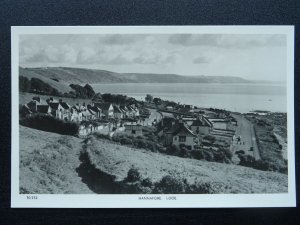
(78, 112)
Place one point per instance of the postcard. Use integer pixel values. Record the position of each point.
(152, 116)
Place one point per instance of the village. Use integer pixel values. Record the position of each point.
(182, 126)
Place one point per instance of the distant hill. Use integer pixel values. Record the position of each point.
(62, 76)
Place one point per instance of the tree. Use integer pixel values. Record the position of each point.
(149, 98)
(90, 91)
(157, 101)
(24, 84)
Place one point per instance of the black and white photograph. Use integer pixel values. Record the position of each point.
(153, 116)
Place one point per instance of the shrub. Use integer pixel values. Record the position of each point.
(126, 141)
(210, 138)
(133, 175)
(101, 136)
(169, 185)
(227, 153)
(51, 124)
(197, 154)
(246, 160)
(173, 150)
(146, 182)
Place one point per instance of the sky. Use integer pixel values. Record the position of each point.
(250, 56)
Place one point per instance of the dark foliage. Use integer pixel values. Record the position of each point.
(24, 84)
(90, 91)
(171, 185)
(133, 175)
(39, 86)
(83, 92)
(51, 124)
(249, 161)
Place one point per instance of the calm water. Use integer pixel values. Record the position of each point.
(234, 97)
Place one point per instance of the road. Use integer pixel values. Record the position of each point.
(246, 131)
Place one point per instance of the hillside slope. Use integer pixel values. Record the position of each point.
(52, 163)
(48, 163)
(90, 76)
(116, 161)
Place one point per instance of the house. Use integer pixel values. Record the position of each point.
(107, 109)
(76, 114)
(32, 105)
(24, 111)
(44, 109)
(87, 115)
(133, 129)
(94, 110)
(184, 136)
(125, 111)
(136, 111)
(118, 114)
(201, 126)
(60, 110)
(130, 111)
(179, 134)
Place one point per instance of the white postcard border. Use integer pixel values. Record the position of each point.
(132, 200)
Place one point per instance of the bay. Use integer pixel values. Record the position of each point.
(234, 97)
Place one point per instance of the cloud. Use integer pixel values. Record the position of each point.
(195, 39)
(228, 40)
(118, 39)
(119, 59)
(201, 60)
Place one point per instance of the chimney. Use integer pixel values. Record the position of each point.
(60, 100)
(51, 99)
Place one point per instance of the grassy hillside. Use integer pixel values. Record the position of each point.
(66, 75)
(48, 163)
(116, 161)
(52, 163)
(62, 85)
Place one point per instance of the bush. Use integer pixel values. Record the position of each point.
(51, 124)
(140, 143)
(227, 153)
(173, 150)
(101, 136)
(169, 185)
(126, 141)
(133, 175)
(24, 84)
(246, 160)
(146, 183)
(210, 138)
(197, 154)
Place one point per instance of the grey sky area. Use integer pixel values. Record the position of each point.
(256, 57)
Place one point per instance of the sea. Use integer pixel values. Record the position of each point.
(233, 97)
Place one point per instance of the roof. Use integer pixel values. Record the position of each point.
(92, 111)
(103, 106)
(42, 108)
(64, 105)
(117, 109)
(87, 113)
(94, 108)
(199, 122)
(53, 105)
(180, 129)
(183, 130)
